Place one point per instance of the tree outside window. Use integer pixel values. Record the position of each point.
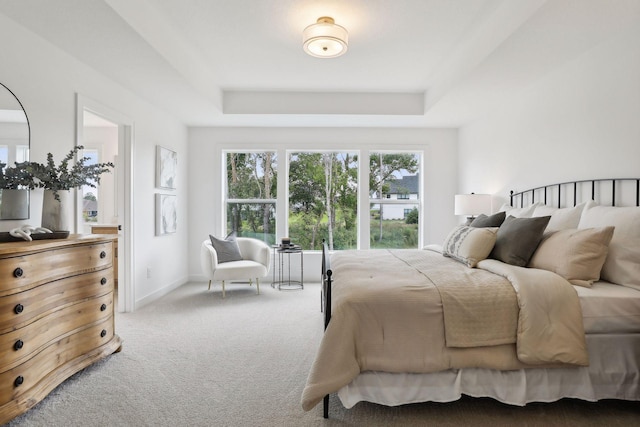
(323, 199)
(90, 207)
(251, 195)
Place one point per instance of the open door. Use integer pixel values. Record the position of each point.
(107, 209)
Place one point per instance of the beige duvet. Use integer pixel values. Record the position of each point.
(424, 313)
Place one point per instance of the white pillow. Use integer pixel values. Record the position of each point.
(519, 212)
(469, 245)
(622, 265)
(561, 219)
(576, 255)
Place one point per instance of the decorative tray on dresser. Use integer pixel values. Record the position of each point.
(56, 315)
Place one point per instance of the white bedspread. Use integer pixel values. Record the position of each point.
(394, 323)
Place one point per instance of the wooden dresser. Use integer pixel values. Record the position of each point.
(110, 229)
(56, 315)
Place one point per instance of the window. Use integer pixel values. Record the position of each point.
(251, 193)
(90, 193)
(324, 195)
(4, 155)
(22, 153)
(323, 199)
(394, 190)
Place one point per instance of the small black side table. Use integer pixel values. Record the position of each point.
(284, 282)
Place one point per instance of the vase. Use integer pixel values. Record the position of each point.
(55, 213)
(15, 204)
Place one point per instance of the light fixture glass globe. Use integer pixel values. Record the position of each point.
(325, 39)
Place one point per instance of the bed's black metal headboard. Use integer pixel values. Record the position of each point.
(579, 191)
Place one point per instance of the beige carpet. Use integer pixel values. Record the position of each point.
(194, 359)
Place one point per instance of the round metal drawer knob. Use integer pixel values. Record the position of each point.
(103, 281)
(19, 308)
(103, 307)
(18, 272)
(19, 381)
(103, 333)
(103, 254)
(18, 345)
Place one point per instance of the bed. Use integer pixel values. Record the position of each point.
(535, 303)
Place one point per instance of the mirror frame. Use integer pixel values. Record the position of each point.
(29, 145)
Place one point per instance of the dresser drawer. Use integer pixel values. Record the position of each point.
(17, 346)
(19, 380)
(18, 310)
(23, 272)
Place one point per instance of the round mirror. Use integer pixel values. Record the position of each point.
(14, 147)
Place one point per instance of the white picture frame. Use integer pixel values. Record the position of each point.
(166, 168)
(166, 214)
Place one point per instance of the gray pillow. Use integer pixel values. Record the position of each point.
(226, 249)
(483, 220)
(518, 239)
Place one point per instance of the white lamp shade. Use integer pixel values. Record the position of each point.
(325, 39)
(472, 204)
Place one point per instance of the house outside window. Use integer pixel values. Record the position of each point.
(394, 190)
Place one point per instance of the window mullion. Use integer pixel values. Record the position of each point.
(282, 204)
(364, 207)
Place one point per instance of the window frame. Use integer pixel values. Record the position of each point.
(417, 203)
(225, 187)
(355, 152)
(283, 150)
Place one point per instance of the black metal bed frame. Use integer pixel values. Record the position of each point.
(327, 273)
(575, 184)
(325, 305)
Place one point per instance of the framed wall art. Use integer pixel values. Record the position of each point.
(166, 168)
(166, 214)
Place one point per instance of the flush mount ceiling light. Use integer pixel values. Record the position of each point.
(325, 39)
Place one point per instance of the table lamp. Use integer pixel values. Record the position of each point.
(472, 205)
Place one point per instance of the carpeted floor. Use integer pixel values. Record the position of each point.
(194, 359)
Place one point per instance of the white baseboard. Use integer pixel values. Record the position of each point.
(159, 293)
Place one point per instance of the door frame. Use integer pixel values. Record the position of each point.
(124, 184)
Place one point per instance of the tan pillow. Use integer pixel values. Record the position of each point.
(576, 255)
(622, 265)
(469, 245)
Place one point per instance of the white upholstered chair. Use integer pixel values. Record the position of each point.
(255, 263)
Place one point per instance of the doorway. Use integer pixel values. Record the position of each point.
(106, 136)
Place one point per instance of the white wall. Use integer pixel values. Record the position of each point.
(46, 80)
(581, 121)
(205, 174)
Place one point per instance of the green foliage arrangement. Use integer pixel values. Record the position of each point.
(16, 177)
(66, 176)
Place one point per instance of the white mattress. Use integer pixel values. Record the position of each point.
(609, 308)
